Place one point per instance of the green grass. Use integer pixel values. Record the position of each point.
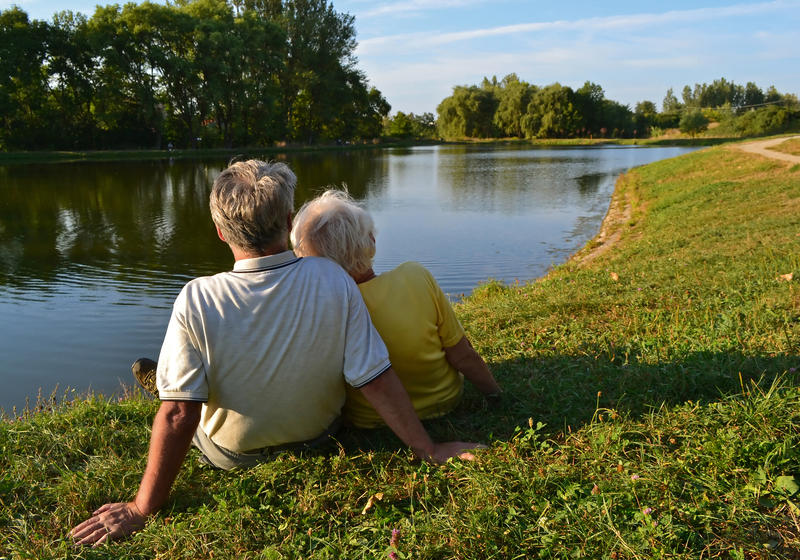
(789, 147)
(649, 413)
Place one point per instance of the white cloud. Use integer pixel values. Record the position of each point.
(415, 7)
(635, 22)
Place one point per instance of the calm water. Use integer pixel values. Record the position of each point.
(93, 254)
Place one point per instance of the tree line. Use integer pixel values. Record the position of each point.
(514, 108)
(211, 73)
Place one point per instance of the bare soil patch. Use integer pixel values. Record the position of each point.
(766, 148)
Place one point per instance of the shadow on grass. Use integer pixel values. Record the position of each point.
(560, 391)
(563, 392)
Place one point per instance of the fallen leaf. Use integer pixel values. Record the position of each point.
(786, 277)
(371, 502)
(615, 277)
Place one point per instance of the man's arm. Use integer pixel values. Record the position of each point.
(389, 398)
(173, 428)
(465, 359)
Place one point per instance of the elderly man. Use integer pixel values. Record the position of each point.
(255, 360)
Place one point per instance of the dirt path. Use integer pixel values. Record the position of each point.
(760, 147)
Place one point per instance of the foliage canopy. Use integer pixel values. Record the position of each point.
(196, 72)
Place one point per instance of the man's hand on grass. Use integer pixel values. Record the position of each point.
(454, 449)
(111, 521)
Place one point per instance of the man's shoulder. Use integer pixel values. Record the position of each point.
(322, 265)
(204, 282)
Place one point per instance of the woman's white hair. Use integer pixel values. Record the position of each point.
(333, 225)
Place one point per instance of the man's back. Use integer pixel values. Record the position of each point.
(262, 342)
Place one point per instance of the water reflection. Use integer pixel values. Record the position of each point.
(93, 254)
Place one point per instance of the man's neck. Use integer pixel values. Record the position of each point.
(242, 254)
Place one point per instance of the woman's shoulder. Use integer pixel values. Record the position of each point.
(412, 267)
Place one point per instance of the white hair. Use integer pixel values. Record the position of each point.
(333, 225)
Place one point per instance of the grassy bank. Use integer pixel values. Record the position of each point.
(652, 410)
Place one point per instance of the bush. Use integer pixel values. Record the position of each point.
(693, 122)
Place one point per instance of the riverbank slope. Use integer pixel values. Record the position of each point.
(651, 410)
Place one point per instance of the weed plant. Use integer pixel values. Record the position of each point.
(652, 410)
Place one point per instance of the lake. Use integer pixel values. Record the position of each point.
(92, 254)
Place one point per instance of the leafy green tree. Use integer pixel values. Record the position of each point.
(513, 96)
(126, 105)
(589, 100)
(467, 113)
(670, 103)
(70, 68)
(552, 113)
(752, 95)
(772, 95)
(409, 125)
(693, 122)
(644, 116)
(399, 126)
(617, 119)
(23, 81)
(718, 93)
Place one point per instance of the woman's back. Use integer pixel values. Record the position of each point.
(416, 322)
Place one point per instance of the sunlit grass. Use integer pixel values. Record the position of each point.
(791, 146)
(652, 410)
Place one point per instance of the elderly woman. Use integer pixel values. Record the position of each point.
(427, 345)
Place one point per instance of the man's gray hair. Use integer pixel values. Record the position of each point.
(333, 225)
(250, 203)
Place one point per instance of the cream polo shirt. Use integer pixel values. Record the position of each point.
(267, 348)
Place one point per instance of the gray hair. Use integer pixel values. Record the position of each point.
(333, 225)
(250, 203)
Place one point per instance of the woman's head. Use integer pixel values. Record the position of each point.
(333, 225)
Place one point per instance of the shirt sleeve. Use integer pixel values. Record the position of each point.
(450, 329)
(181, 374)
(365, 354)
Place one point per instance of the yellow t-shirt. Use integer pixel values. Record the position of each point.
(416, 322)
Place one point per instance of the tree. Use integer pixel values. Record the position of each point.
(670, 103)
(644, 116)
(23, 81)
(467, 113)
(752, 95)
(693, 122)
(551, 113)
(400, 126)
(513, 96)
(589, 102)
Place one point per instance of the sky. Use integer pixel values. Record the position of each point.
(416, 51)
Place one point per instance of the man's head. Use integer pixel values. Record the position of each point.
(334, 226)
(251, 202)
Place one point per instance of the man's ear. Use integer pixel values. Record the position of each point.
(219, 233)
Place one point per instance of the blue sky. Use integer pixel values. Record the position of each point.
(415, 51)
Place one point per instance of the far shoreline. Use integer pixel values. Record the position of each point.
(69, 156)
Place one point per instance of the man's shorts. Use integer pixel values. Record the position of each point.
(222, 458)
